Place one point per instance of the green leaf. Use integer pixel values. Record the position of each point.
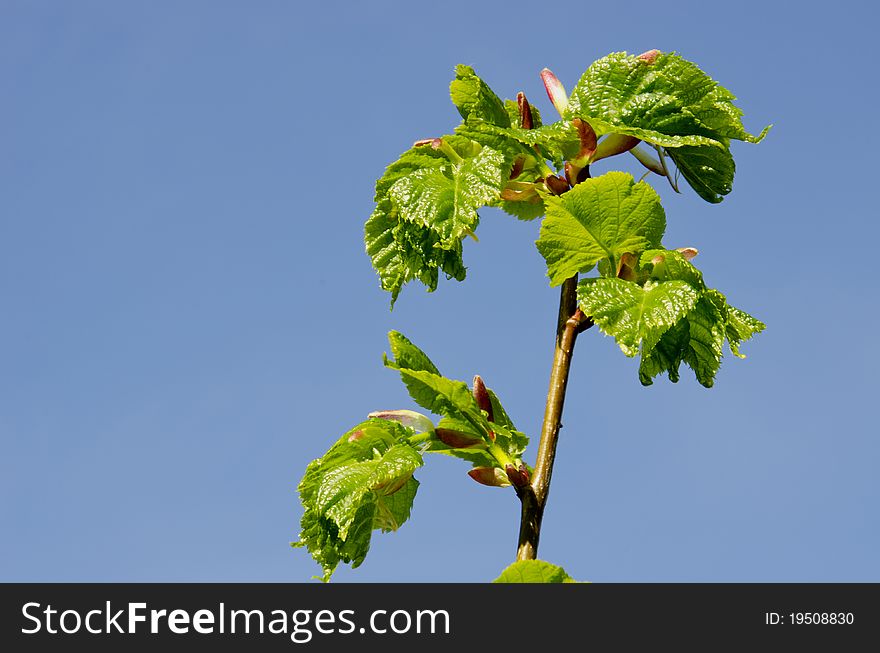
(636, 316)
(415, 158)
(534, 571)
(473, 97)
(363, 483)
(403, 251)
(740, 327)
(603, 217)
(708, 169)
(668, 102)
(525, 210)
(705, 341)
(557, 141)
(671, 265)
(454, 400)
(667, 354)
(446, 200)
(697, 340)
(408, 356)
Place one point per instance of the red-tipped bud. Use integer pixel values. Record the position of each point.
(556, 185)
(433, 142)
(517, 477)
(650, 56)
(587, 137)
(513, 195)
(357, 435)
(555, 90)
(688, 253)
(525, 111)
(458, 439)
(626, 268)
(481, 395)
(491, 476)
(571, 173)
(614, 144)
(408, 418)
(517, 168)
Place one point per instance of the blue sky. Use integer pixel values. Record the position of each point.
(188, 316)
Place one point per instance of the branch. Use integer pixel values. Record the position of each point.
(534, 496)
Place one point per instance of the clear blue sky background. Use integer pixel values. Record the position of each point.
(187, 315)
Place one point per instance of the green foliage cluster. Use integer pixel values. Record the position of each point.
(649, 297)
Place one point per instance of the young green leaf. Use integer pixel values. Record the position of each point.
(473, 97)
(446, 199)
(363, 483)
(534, 571)
(636, 316)
(698, 338)
(740, 327)
(708, 169)
(455, 401)
(404, 251)
(601, 218)
(666, 100)
(671, 265)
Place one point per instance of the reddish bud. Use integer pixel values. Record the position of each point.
(556, 185)
(555, 90)
(512, 195)
(626, 268)
(491, 476)
(481, 395)
(587, 137)
(650, 56)
(357, 435)
(433, 142)
(408, 418)
(525, 111)
(688, 252)
(517, 168)
(517, 477)
(457, 439)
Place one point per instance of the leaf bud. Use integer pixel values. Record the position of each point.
(627, 267)
(518, 477)
(587, 137)
(409, 418)
(688, 253)
(491, 476)
(517, 168)
(556, 185)
(555, 90)
(481, 395)
(525, 111)
(650, 56)
(433, 142)
(458, 439)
